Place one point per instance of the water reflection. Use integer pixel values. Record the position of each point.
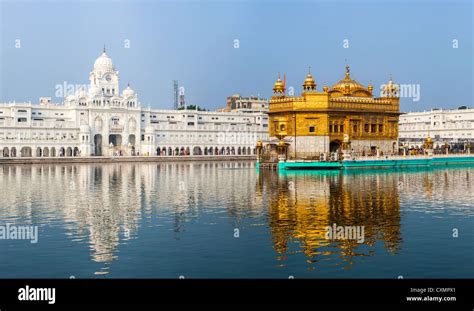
(303, 204)
(104, 205)
(109, 205)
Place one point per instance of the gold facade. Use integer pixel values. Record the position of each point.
(346, 111)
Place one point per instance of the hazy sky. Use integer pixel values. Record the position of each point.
(194, 42)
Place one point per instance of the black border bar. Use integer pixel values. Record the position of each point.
(242, 291)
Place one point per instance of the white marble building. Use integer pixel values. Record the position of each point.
(99, 120)
(452, 126)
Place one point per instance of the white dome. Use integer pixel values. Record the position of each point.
(128, 92)
(103, 63)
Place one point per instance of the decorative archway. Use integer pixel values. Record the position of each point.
(13, 152)
(131, 139)
(62, 152)
(26, 152)
(6, 152)
(76, 152)
(39, 152)
(69, 152)
(46, 152)
(115, 140)
(335, 146)
(197, 151)
(98, 145)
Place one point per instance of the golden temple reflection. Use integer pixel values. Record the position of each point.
(303, 204)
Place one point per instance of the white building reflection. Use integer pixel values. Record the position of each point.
(104, 205)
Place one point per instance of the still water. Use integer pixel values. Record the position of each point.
(219, 220)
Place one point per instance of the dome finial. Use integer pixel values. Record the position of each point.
(309, 70)
(105, 49)
(347, 71)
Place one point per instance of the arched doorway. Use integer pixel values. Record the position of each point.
(39, 152)
(6, 152)
(131, 139)
(26, 152)
(197, 151)
(62, 152)
(69, 152)
(13, 152)
(115, 139)
(46, 152)
(98, 145)
(76, 152)
(239, 151)
(188, 151)
(53, 151)
(335, 146)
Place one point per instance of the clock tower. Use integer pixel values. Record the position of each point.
(104, 78)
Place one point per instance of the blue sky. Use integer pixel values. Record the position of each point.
(193, 42)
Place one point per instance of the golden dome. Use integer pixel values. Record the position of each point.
(348, 86)
(309, 83)
(370, 88)
(309, 80)
(279, 87)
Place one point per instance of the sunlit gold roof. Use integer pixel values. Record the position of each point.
(309, 81)
(279, 87)
(348, 86)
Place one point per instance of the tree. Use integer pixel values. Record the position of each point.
(193, 107)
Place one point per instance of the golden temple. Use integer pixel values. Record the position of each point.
(346, 115)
